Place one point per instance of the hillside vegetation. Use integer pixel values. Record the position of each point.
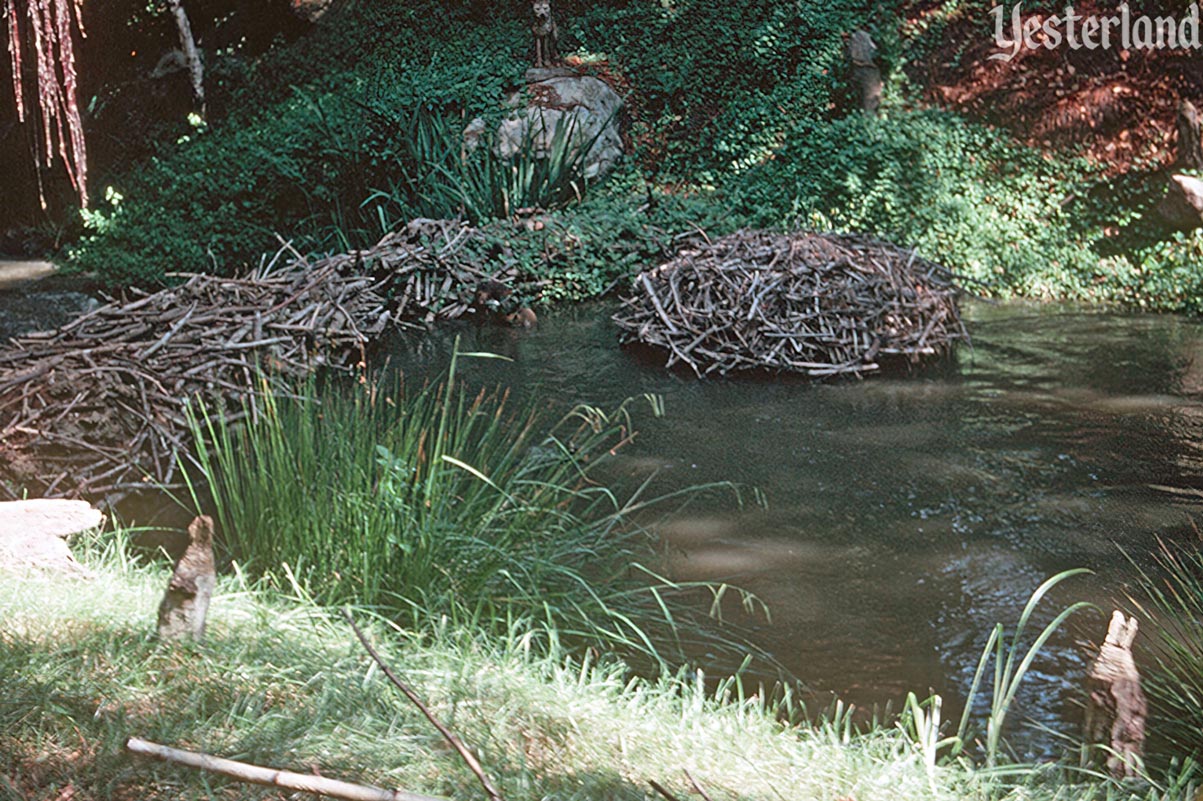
(737, 114)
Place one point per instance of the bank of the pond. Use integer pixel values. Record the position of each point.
(282, 682)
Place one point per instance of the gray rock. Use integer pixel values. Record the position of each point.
(26, 311)
(1182, 206)
(556, 97)
(33, 534)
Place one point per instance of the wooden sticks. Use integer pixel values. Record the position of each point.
(97, 408)
(818, 304)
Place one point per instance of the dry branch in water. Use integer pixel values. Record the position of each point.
(96, 408)
(817, 304)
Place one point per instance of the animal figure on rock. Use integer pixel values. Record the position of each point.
(497, 302)
(546, 34)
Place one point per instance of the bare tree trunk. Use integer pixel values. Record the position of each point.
(192, 60)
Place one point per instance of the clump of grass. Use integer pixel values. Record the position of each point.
(442, 503)
(1171, 606)
(281, 681)
(440, 176)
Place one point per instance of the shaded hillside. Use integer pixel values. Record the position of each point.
(1118, 105)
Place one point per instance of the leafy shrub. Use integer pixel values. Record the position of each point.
(957, 191)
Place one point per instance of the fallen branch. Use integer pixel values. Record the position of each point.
(270, 777)
(662, 790)
(697, 788)
(455, 742)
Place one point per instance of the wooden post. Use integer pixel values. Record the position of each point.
(1116, 709)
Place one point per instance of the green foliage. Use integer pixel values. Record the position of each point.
(1009, 673)
(742, 107)
(1170, 607)
(596, 245)
(441, 177)
(437, 504)
(959, 192)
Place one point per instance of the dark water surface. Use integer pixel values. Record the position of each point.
(906, 515)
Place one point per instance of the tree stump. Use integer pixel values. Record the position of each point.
(1116, 709)
(1190, 148)
(186, 602)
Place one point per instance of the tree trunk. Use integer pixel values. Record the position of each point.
(196, 70)
(1190, 150)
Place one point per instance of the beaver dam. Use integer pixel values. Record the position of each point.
(817, 304)
(98, 407)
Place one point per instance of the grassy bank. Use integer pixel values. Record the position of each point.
(737, 114)
(281, 682)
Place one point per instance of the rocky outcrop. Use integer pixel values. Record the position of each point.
(1182, 206)
(555, 97)
(33, 534)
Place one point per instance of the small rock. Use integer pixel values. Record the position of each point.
(33, 534)
(1182, 206)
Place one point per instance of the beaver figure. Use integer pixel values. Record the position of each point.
(499, 302)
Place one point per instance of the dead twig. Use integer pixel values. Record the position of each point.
(455, 742)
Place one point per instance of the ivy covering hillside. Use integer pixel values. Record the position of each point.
(737, 114)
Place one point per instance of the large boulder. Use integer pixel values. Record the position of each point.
(1182, 206)
(33, 534)
(555, 97)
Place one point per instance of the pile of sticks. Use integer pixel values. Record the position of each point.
(817, 304)
(97, 408)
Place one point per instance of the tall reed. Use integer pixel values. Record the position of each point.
(440, 176)
(441, 502)
(1170, 605)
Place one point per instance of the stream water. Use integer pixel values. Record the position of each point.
(908, 514)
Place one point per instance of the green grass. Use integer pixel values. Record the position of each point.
(1170, 611)
(281, 681)
(437, 502)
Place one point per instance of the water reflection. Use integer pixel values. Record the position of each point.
(908, 514)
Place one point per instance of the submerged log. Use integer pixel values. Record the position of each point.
(1116, 709)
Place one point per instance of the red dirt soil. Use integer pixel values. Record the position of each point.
(1120, 106)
